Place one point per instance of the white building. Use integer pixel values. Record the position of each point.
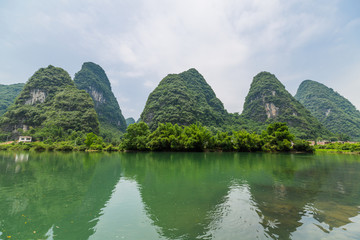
(25, 139)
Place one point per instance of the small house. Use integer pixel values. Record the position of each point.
(25, 139)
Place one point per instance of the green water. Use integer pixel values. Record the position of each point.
(179, 196)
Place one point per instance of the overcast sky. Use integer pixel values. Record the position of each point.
(139, 42)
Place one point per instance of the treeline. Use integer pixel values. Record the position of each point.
(60, 140)
(166, 137)
(169, 137)
(339, 146)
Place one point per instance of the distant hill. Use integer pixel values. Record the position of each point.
(8, 93)
(50, 98)
(268, 101)
(92, 78)
(337, 113)
(129, 121)
(184, 99)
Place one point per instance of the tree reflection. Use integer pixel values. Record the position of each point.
(184, 192)
(185, 195)
(60, 193)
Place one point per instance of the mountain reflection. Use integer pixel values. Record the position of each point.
(178, 196)
(55, 196)
(193, 195)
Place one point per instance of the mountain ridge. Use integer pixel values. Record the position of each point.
(8, 93)
(183, 99)
(336, 112)
(50, 98)
(268, 101)
(93, 79)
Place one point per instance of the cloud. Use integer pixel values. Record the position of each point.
(139, 42)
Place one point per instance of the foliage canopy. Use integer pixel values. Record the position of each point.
(196, 137)
(8, 93)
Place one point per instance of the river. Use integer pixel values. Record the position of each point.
(54, 195)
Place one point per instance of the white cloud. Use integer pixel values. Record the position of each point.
(139, 42)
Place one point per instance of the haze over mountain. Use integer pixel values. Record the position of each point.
(268, 101)
(92, 78)
(50, 98)
(184, 99)
(129, 121)
(337, 113)
(8, 93)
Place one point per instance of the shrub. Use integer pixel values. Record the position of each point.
(302, 146)
(39, 147)
(64, 147)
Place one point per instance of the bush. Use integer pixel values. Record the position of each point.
(110, 148)
(136, 137)
(302, 146)
(97, 147)
(51, 147)
(64, 147)
(26, 146)
(4, 147)
(39, 147)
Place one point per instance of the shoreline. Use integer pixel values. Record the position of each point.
(336, 151)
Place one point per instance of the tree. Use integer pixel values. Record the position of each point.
(136, 137)
(165, 137)
(277, 137)
(196, 138)
(223, 141)
(92, 140)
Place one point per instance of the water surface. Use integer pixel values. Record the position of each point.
(179, 196)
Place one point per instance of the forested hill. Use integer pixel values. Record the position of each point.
(51, 100)
(268, 101)
(129, 121)
(8, 93)
(92, 78)
(184, 99)
(333, 110)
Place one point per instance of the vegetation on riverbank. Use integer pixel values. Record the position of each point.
(169, 137)
(339, 147)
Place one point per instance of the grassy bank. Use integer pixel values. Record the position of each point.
(336, 151)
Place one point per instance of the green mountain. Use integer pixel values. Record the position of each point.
(268, 101)
(92, 78)
(8, 93)
(50, 98)
(184, 99)
(129, 121)
(333, 110)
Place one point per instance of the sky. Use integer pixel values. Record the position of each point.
(139, 42)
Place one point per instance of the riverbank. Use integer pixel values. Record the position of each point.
(336, 151)
(70, 147)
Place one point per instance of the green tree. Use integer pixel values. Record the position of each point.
(166, 137)
(92, 140)
(196, 138)
(277, 137)
(136, 137)
(223, 141)
(246, 142)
